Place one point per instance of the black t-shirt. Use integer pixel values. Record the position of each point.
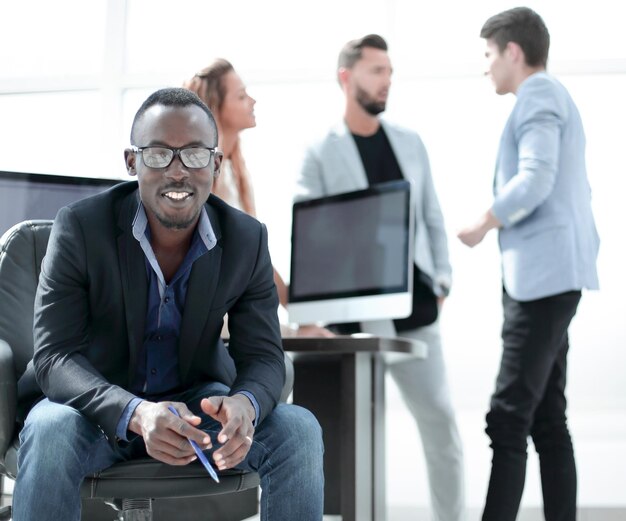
(381, 166)
(378, 159)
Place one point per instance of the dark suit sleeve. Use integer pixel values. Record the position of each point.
(61, 330)
(255, 342)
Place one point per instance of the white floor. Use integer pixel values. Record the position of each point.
(600, 445)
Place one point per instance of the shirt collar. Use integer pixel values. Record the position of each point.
(205, 230)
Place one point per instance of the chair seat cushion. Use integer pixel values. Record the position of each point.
(149, 478)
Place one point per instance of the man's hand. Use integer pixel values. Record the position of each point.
(236, 414)
(166, 436)
(312, 330)
(474, 234)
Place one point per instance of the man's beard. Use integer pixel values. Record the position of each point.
(176, 225)
(370, 106)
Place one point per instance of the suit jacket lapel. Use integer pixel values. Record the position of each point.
(347, 149)
(134, 280)
(199, 301)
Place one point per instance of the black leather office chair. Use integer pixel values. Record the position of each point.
(129, 487)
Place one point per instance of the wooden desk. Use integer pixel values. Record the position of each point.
(342, 381)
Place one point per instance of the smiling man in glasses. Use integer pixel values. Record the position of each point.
(128, 314)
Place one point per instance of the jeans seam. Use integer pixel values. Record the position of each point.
(266, 493)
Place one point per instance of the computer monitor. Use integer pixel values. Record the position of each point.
(26, 196)
(352, 256)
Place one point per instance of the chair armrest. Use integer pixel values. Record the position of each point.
(289, 377)
(8, 397)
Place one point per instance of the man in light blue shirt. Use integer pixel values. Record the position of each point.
(549, 245)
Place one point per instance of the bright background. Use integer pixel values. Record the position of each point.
(73, 73)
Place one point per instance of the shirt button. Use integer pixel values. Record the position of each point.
(159, 337)
(166, 300)
(153, 371)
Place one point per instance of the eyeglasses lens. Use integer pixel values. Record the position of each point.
(161, 157)
(195, 157)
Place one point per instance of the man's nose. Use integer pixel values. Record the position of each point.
(386, 82)
(177, 170)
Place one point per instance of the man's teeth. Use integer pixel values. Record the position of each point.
(178, 196)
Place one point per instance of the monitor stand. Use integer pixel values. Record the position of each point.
(386, 329)
(381, 328)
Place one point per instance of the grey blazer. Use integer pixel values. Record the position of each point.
(333, 165)
(548, 241)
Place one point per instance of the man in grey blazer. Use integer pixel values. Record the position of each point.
(129, 309)
(362, 150)
(549, 244)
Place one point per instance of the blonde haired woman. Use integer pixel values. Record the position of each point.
(224, 92)
(221, 88)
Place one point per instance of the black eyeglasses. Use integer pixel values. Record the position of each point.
(162, 157)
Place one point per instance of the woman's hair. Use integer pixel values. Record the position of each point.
(208, 84)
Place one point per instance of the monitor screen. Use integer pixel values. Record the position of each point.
(26, 196)
(351, 256)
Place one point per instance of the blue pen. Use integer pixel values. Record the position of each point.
(199, 452)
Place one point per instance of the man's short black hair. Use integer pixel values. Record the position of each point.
(353, 50)
(173, 97)
(524, 27)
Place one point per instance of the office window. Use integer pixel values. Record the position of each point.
(276, 39)
(53, 133)
(51, 39)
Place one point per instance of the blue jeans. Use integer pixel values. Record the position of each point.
(59, 447)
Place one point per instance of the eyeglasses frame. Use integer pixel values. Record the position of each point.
(176, 152)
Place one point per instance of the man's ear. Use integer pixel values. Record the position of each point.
(343, 75)
(515, 52)
(130, 158)
(218, 156)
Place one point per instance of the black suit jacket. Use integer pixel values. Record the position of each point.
(91, 305)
